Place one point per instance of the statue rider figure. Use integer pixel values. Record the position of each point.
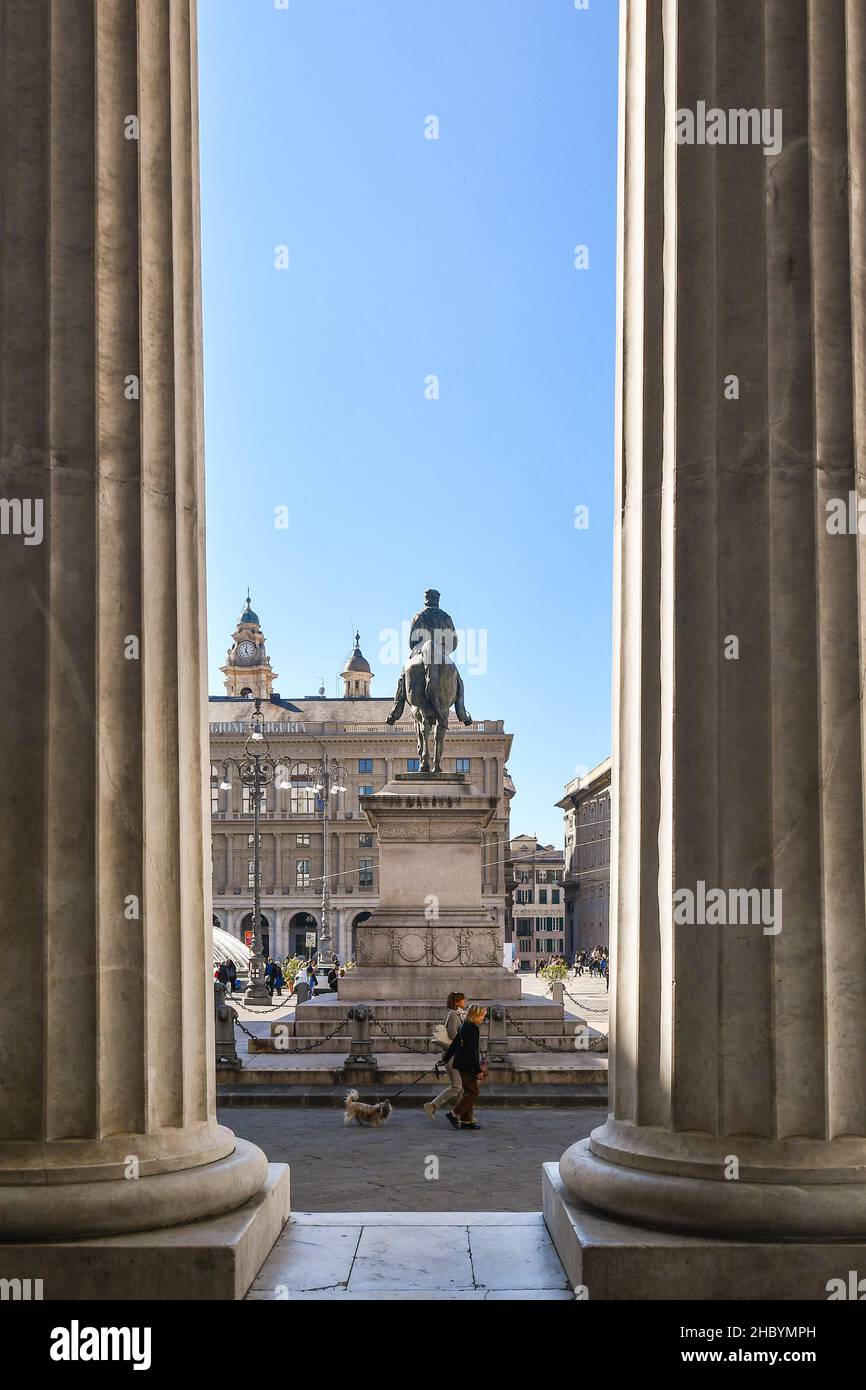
(432, 624)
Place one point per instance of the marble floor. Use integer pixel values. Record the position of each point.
(413, 1256)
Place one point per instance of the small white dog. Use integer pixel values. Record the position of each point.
(363, 1114)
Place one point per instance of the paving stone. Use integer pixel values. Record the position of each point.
(310, 1257)
(412, 1258)
(515, 1257)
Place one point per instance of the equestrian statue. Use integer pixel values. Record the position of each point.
(430, 683)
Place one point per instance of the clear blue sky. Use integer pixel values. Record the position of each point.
(410, 257)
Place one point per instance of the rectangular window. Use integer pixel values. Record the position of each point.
(251, 874)
(413, 764)
(365, 875)
(365, 764)
(302, 839)
(366, 841)
(215, 779)
(302, 873)
(554, 897)
(365, 791)
(542, 895)
(463, 764)
(302, 797)
(524, 895)
(302, 800)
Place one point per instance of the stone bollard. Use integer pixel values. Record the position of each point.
(497, 1038)
(360, 1064)
(557, 992)
(224, 1029)
(302, 991)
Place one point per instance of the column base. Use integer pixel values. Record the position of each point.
(783, 1203)
(614, 1260)
(57, 1210)
(202, 1260)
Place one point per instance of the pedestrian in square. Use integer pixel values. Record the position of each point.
(456, 1013)
(465, 1052)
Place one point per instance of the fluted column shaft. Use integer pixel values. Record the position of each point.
(106, 1067)
(739, 764)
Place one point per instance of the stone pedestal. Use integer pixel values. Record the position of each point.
(622, 1260)
(738, 1068)
(107, 1113)
(430, 933)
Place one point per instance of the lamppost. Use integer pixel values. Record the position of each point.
(257, 770)
(329, 777)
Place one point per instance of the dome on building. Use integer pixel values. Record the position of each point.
(357, 674)
(248, 616)
(357, 661)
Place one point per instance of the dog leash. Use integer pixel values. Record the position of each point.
(415, 1082)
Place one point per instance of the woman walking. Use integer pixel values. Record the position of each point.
(465, 1052)
(456, 1005)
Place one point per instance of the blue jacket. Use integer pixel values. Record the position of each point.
(465, 1051)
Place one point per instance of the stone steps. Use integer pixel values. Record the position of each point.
(397, 1070)
(581, 1095)
(402, 1043)
(407, 1026)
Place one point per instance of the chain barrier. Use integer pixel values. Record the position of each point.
(417, 1051)
(541, 1043)
(317, 1042)
(587, 1007)
(307, 1047)
(263, 1008)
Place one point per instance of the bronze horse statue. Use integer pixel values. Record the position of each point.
(430, 685)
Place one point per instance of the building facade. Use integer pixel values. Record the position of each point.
(350, 729)
(538, 905)
(586, 805)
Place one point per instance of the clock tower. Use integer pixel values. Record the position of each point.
(248, 666)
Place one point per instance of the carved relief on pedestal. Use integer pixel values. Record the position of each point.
(456, 834)
(445, 948)
(438, 946)
(418, 830)
(482, 948)
(414, 949)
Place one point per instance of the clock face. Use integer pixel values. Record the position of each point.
(246, 650)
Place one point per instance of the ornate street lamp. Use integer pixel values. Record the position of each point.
(257, 770)
(329, 777)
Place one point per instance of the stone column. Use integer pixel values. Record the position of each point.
(106, 1059)
(739, 1077)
